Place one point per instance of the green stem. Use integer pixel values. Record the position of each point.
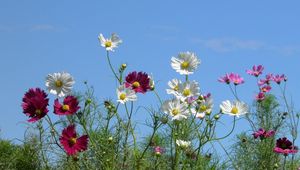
(112, 69)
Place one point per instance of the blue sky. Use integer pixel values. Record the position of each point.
(41, 37)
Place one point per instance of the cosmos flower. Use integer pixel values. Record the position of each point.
(71, 143)
(60, 84)
(125, 94)
(175, 109)
(35, 104)
(235, 108)
(262, 134)
(204, 107)
(185, 63)
(265, 88)
(284, 146)
(183, 144)
(187, 90)
(256, 70)
(158, 150)
(139, 82)
(225, 79)
(110, 43)
(260, 97)
(236, 79)
(279, 78)
(269, 77)
(68, 107)
(174, 86)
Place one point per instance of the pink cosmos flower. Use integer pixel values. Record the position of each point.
(256, 70)
(266, 88)
(68, 107)
(284, 146)
(260, 97)
(262, 134)
(224, 79)
(278, 78)
(35, 104)
(158, 150)
(71, 143)
(139, 82)
(269, 77)
(236, 79)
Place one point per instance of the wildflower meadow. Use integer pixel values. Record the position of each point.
(77, 131)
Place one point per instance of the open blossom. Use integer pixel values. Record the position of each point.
(203, 108)
(235, 108)
(175, 109)
(125, 94)
(138, 81)
(236, 79)
(284, 146)
(225, 79)
(35, 104)
(68, 107)
(256, 70)
(279, 78)
(185, 63)
(262, 134)
(260, 97)
(174, 86)
(265, 88)
(267, 80)
(183, 144)
(60, 84)
(187, 90)
(110, 43)
(71, 143)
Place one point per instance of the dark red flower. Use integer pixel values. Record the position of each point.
(71, 143)
(262, 133)
(284, 146)
(35, 104)
(139, 82)
(68, 107)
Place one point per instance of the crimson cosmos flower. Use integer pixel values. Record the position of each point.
(284, 146)
(71, 143)
(139, 82)
(68, 107)
(35, 104)
(262, 134)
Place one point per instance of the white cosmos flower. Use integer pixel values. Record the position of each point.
(125, 94)
(235, 108)
(175, 109)
(187, 90)
(185, 63)
(205, 107)
(60, 84)
(151, 82)
(110, 43)
(183, 144)
(174, 86)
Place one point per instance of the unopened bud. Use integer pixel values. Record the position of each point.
(217, 117)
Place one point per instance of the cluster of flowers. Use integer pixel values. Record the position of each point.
(35, 105)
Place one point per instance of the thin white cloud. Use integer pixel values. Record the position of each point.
(234, 44)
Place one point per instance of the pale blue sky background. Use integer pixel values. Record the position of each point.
(40, 37)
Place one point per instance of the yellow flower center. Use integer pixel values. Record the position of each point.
(58, 83)
(65, 107)
(123, 96)
(234, 110)
(38, 112)
(185, 65)
(186, 92)
(176, 88)
(175, 112)
(136, 84)
(108, 44)
(72, 141)
(203, 108)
